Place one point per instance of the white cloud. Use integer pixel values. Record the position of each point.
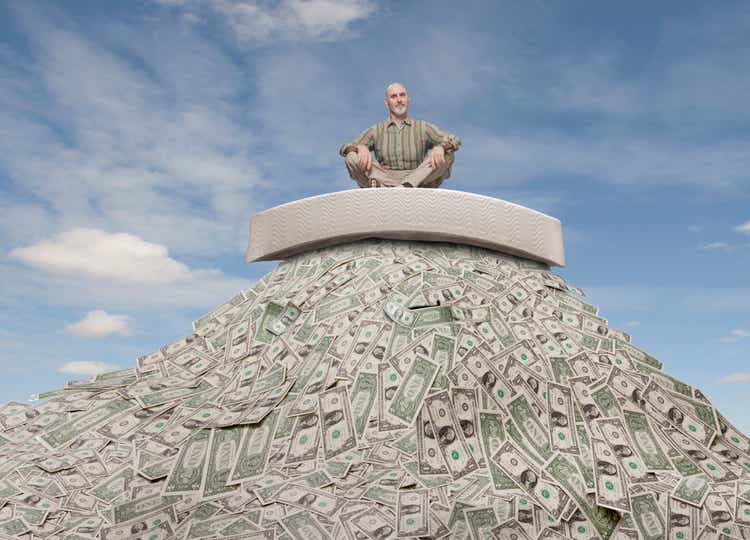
(716, 245)
(632, 324)
(744, 228)
(695, 228)
(98, 324)
(86, 266)
(723, 246)
(86, 367)
(96, 254)
(735, 335)
(295, 20)
(735, 377)
(205, 290)
(151, 137)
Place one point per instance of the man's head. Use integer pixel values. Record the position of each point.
(397, 100)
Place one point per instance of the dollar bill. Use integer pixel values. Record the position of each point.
(645, 441)
(682, 520)
(466, 407)
(491, 381)
(271, 485)
(373, 523)
(509, 530)
(585, 461)
(561, 419)
(429, 457)
(305, 438)
(338, 431)
(365, 339)
(336, 307)
(363, 395)
(222, 454)
(140, 508)
(382, 495)
(701, 456)
(686, 422)
(732, 435)
(530, 426)
(527, 476)
(115, 486)
(303, 526)
(610, 484)
(413, 516)
(443, 349)
(648, 517)
(186, 475)
(270, 313)
(389, 381)
(614, 433)
(493, 436)
(65, 433)
(605, 399)
(564, 472)
(692, 490)
(311, 500)
(407, 401)
(160, 395)
(266, 403)
(307, 401)
(448, 435)
(480, 521)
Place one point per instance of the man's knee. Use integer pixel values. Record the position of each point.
(450, 157)
(355, 170)
(352, 161)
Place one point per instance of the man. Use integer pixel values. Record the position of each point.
(400, 144)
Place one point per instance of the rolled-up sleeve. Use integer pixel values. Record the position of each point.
(436, 136)
(367, 137)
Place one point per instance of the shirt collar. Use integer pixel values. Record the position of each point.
(391, 121)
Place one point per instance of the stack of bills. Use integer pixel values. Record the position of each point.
(375, 390)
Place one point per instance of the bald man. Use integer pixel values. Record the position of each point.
(401, 145)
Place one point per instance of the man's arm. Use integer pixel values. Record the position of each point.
(437, 137)
(366, 138)
(440, 142)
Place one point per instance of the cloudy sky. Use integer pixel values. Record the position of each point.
(139, 137)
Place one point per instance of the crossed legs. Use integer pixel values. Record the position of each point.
(423, 176)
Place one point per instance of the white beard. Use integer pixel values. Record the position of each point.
(399, 110)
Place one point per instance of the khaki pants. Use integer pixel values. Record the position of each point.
(423, 176)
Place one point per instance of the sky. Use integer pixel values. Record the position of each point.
(139, 137)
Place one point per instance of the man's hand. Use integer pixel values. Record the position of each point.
(437, 156)
(365, 157)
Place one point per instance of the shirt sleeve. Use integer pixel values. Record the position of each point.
(367, 137)
(436, 136)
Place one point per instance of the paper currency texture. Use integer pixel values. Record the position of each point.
(381, 389)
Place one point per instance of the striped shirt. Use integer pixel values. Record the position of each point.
(402, 146)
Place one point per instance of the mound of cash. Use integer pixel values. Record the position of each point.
(376, 390)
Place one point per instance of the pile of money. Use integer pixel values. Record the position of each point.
(375, 390)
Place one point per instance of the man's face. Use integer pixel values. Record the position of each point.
(397, 100)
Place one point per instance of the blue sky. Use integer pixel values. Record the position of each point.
(139, 137)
